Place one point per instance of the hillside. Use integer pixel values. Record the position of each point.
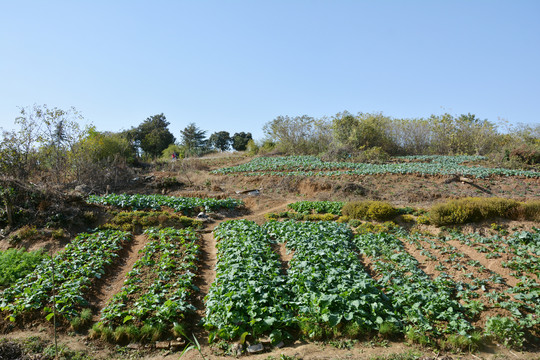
(171, 280)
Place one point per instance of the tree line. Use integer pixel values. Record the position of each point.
(374, 135)
(153, 139)
(51, 144)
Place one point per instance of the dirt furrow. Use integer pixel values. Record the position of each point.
(206, 276)
(494, 265)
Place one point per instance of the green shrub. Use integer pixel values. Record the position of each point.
(505, 330)
(131, 220)
(388, 330)
(313, 330)
(83, 321)
(370, 210)
(468, 210)
(530, 210)
(27, 232)
(321, 217)
(89, 216)
(374, 154)
(105, 333)
(381, 211)
(406, 218)
(423, 219)
(372, 228)
(252, 148)
(417, 337)
(343, 219)
(58, 234)
(121, 335)
(16, 264)
(354, 330)
(271, 216)
(147, 333)
(460, 343)
(296, 216)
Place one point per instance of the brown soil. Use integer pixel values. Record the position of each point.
(206, 274)
(105, 289)
(491, 264)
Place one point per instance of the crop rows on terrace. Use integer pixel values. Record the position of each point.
(519, 252)
(426, 306)
(313, 166)
(326, 288)
(317, 207)
(155, 202)
(511, 302)
(329, 283)
(249, 294)
(157, 291)
(327, 291)
(75, 268)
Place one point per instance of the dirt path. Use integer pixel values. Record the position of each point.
(207, 267)
(105, 290)
(494, 265)
(258, 216)
(205, 278)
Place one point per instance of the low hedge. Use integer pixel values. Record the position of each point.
(370, 210)
(472, 209)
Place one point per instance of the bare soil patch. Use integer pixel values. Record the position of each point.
(108, 286)
(495, 265)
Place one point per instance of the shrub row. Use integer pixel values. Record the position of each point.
(137, 221)
(370, 210)
(470, 209)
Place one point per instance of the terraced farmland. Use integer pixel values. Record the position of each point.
(311, 166)
(344, 273)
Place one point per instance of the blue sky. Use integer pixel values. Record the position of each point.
(235, 65)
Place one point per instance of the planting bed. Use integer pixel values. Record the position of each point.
(186, 205)
(307, 166)
(75, 268)
(156, 296)
(329, 293)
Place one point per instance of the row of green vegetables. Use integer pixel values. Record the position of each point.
(426, 305)
(329, 283)
(523, 251)
(315, 163)
(249, 294)
(481, 289)
(155, 202)
(158, 288)
(313, 166)
(74, 269)
(326, 290)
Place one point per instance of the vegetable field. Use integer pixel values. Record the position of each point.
(341, 284)
(186, 205)
(157, 291)
(347, 272)
(75, 268)
(311, 166)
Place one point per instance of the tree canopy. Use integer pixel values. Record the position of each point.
(193, 139)
(240, 141)
(153, 135)
(220, 140)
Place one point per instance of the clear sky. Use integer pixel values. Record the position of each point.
(235, 65)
